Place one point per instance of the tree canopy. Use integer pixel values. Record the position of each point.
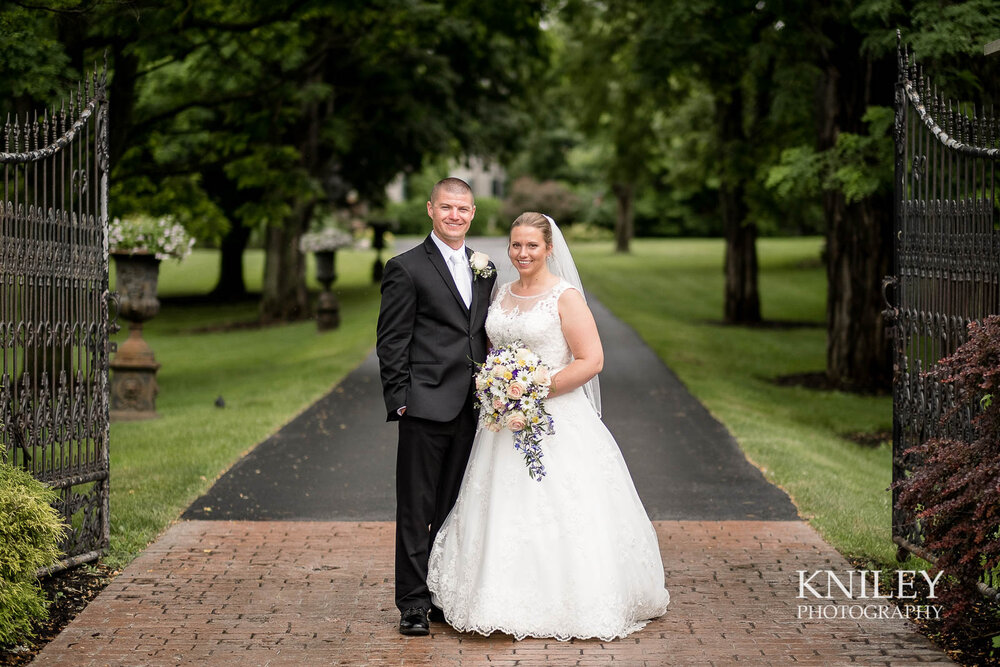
(247, 119)
(240, 116)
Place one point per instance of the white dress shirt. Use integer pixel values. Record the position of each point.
(458, 265)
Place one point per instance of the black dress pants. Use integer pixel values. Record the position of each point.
(430, 463)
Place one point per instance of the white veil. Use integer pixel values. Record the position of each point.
(562, 265)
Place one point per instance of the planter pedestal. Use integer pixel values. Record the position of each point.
(133, 380)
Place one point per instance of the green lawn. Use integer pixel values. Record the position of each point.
(266, 376)
(671, 291)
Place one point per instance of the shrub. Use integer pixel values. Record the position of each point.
(953, 489)
(30, 530)
(549, 197)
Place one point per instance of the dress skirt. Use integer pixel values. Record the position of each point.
(573, 555)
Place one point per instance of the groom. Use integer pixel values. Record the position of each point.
(430, 331)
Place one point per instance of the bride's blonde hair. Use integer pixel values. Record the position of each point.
(536, 220)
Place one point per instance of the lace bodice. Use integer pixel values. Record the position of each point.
(532, 320)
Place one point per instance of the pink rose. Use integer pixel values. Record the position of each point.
(498, 404)
(542, 377)
(516, 389)
(516, 421)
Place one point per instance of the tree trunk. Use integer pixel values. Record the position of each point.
(231, 284)
(859, 235)
(285, 297)
(742, 296)
(625, 217)
(742, 304)
(859, 254)
(121, 97)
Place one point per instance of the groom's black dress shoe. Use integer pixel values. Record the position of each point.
(414, 623)
(436, 615)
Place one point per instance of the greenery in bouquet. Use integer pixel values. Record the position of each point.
(162, 237)
(511, 386)
(330, 238)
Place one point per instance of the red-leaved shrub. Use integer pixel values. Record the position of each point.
(954, 488)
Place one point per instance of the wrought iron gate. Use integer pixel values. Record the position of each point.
(947, 258)
(54, 309)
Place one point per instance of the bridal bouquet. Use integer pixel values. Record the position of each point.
(510, 387)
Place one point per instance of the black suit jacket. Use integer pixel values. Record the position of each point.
(427, 338)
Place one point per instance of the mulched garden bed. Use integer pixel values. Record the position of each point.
(969, 643)
(869, 438)
(819, 381)
(69, 592)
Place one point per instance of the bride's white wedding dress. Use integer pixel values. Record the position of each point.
(572, 555)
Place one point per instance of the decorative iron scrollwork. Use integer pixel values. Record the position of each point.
(54, 325)
(947, 259)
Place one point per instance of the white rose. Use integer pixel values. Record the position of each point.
(479, 260)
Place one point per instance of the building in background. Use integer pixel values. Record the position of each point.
(486, 180)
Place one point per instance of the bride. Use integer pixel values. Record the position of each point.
(571, 555)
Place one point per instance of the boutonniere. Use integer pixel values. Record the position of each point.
(480, 264)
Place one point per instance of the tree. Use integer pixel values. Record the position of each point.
(404, 81)
(849, 162)
(724, 46)
(242, 115)
(611, 104)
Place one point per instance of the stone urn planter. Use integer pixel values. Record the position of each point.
(327, 308)
(133, 381)
(324, 244)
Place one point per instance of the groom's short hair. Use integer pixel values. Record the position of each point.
(452, 185)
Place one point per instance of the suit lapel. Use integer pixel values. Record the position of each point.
(481, 293)
(434, 255)
(476, 296)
